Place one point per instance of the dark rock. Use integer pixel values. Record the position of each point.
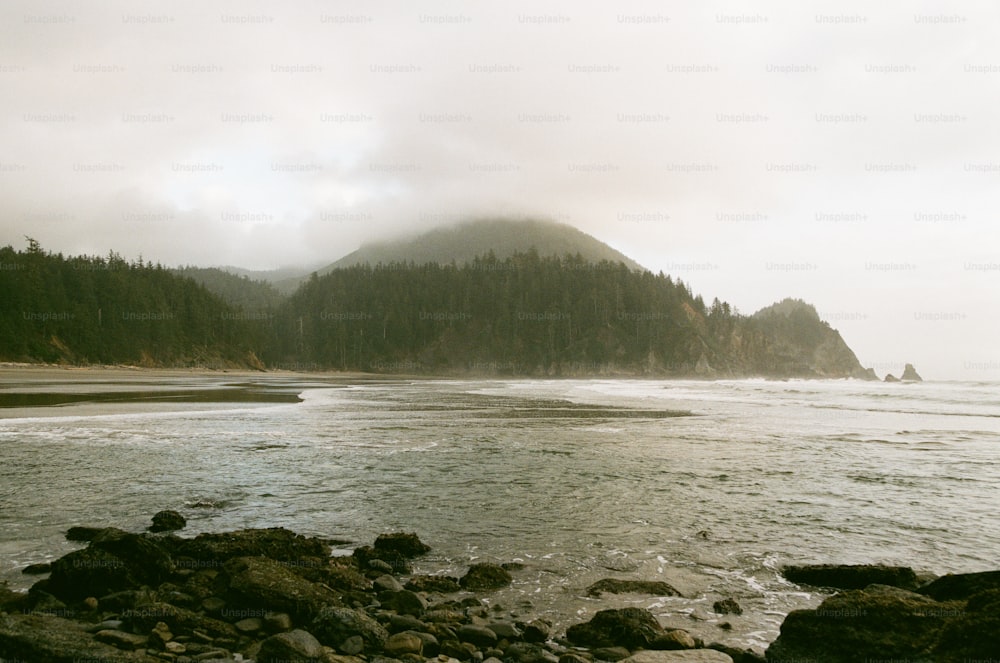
(250, 625)
(161, 633)
(352, 646)
(386, 583)
(121, 639)
(431, 645)
(275, 542)
(727, 607)
(462, 651)
(296, 646)
(86, 534)
(406, 642)
(438, 584)
(961, 586)
(56, 640)
(333, 625)
(368, 557)
(910, 374)
(481, 636)
(889, 377)
(537, 630)
(616, 586)
(527, 652)
(972, 634)
(407, 545)
(145, 617)
(611, 653)
(847, 576)
(277, 622)
(507, 631)
(167, 521)
(37, 569)
(41, 601)
(571, 657)
(213, 605)
(400, 623)
(672, 640)
(89, 572)
(878, 622)
(266, 584)
(738, 655)
(634, 628)
(484, 577)
(404, 602)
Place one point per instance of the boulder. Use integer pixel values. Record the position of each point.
(438, 584)
(276, 542)
(382, 561)
(848, 576)
(332, 625)
(727, 607)
(386, 583)
(689, 656)
(673, 640)
(611, 653)
(484, 577)
(537, 630)
(406, 642)
(37, 569)
(403, 602)
(145, 617)
(89, 572)
(296, 646)
(616, 586)
(634, 628)
(87, 534)
(910, 374)
(167, 521)
(269, 585)
(56, 640)
(889, 377)
(961, 586)
(878, 622)
(481, 636)
(401, 543)
(972, 634)
(121, 639)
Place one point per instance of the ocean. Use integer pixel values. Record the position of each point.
(709, 486)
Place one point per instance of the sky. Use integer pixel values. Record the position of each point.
(844, 153)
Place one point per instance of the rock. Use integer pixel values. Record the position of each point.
(571, 657)
(481, 636)
(431, 645)
(889, 377)
(526, 652)
(277, 543)
(167, 521)
(89, 572)
(147, 616)
(689, 656)
(462, 651)
(250, 625)
(42, 601)
(352, 646)
(406, 642)
(382, 561)
(386, 583)
(121, 639)
(727, 607)
(333, 625)
(537, 630)
(484, 577)
(439, 584)
(846, 576)
(40, 638)
(616, 586)
(161, 634)
(407, 545)
(175, 648)
(672, 640)
(90, 603)
(404, 602)
(266, 584)
(634, 628)
(213, 605)
(961, 586)
(910, 374)
(37, 569)
(878, 622)
(869, 374)
(276, 622)
(86, 534)
(971, 634)
(739, 655)
(611, 653)
(508, 631)
(296, 646)
(400, 623)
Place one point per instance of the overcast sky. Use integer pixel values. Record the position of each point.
(840, 152)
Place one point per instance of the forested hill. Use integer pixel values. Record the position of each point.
(83, 310)
(239, 291)
(521, 315)
(531, 315)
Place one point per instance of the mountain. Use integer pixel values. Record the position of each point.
(462, 242)
(242, 292)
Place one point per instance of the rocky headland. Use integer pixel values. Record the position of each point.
(273, 596)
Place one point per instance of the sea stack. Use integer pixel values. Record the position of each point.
(910, 374)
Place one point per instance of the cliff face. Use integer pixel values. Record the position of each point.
(796, 342)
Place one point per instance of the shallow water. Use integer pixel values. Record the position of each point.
(711, 486)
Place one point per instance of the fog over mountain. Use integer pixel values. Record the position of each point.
(844, 154)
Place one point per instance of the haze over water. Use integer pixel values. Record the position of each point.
(578, 479)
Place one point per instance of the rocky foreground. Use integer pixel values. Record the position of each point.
(272, 596)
